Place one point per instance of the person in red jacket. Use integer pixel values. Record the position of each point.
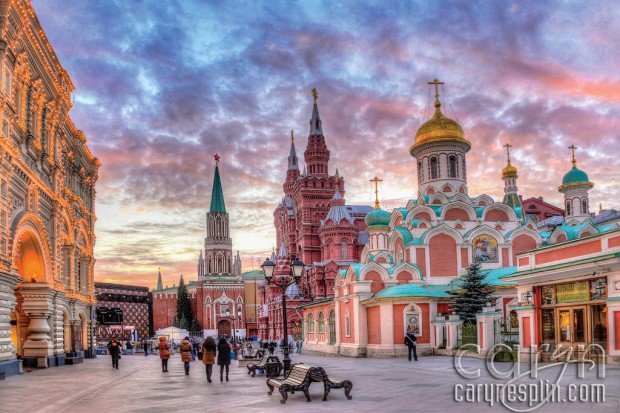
(164, 353)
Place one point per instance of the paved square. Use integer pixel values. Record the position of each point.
(383, 385)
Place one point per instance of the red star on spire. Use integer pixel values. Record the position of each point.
(216, 157)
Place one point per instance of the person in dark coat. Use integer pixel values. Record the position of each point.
(186, 353)
(145, 346)
(410, 340)
(223, 357)
(114, 348)
(209, 351)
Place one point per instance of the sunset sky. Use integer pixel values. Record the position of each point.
(162, 85)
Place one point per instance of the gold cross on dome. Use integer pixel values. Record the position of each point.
(508, 146)
(572, 148)
(315, 94)
(436, 83)
(376, 181)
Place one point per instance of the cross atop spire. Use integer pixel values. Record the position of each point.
(292, 136)
(292, 157)
(376, 182)
(572, 148)
(508, 146)
(315, 94)
(436, 83)
(315, 121)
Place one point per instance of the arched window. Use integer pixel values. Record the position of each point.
(567, 207)
(343, 249)
(584, 206)
(434, 172)
(332, 328)
(420, 175)
(321, 322)
(310, 323)
(452, 166)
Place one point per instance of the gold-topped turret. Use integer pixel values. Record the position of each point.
(509, 170)
(439, 127)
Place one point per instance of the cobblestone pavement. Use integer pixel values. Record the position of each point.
(383, 385)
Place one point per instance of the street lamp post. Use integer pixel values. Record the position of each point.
(233, 320)
(297, 269)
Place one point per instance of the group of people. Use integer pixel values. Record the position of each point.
(210, 352)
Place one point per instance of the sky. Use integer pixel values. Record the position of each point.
(161, 86)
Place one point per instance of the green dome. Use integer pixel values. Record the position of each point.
(575, 176)
(378, 217)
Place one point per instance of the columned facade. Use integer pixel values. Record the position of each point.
(47, 202)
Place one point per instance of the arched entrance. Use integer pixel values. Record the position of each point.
(66, 332)
(84, 331)
(223, 328)
(29, 259)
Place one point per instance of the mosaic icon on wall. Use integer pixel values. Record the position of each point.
(485, 249)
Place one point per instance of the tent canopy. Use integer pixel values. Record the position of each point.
(175, 333)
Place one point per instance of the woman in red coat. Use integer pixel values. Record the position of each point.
(164, 353)
(186, 353)
(209, 351)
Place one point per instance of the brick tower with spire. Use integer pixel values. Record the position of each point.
(219, 286)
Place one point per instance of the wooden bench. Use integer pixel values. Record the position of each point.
(319, 375)
(298, 378)
(270, 363)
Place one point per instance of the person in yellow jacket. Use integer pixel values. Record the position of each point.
(186, 353)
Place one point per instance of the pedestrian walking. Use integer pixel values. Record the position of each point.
(223, 357)
(209, 351)
(145, 346)
(186, 354)
(164, 353)
(115, 351)
(129, 347)
(410, 340)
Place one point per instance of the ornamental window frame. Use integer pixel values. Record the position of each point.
(412, 315)
(321, 320)
(310, 323)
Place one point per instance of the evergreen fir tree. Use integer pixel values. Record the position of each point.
(184, 307)
(175, 322)
(195, 325)
(475, 295)
(183, 323)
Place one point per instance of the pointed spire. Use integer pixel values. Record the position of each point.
(160, 284)
(217, 195)
(305, 173)
(293, 163)
(273, 254)
(315, 122)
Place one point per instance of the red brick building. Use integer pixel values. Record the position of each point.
(539, 210)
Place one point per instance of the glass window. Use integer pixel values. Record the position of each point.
(452, 166)
(564, 323)
(584, 206)
(568, 208)
(548, 326)
(321, 323)
(434, 173)
(310, 323)
(599, 325)
(579, 325)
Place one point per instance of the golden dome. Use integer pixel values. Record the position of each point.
(509, 170)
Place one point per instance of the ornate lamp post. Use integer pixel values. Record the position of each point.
(233, 320)
(297, 269)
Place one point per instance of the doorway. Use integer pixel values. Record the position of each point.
(223, 328)
(572, 328)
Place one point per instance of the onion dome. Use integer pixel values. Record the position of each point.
(439, 128)
(509, 170)
(575, 176)
(378, 217)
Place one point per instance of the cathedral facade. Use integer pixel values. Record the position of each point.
(410, 265)
(47, 204)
